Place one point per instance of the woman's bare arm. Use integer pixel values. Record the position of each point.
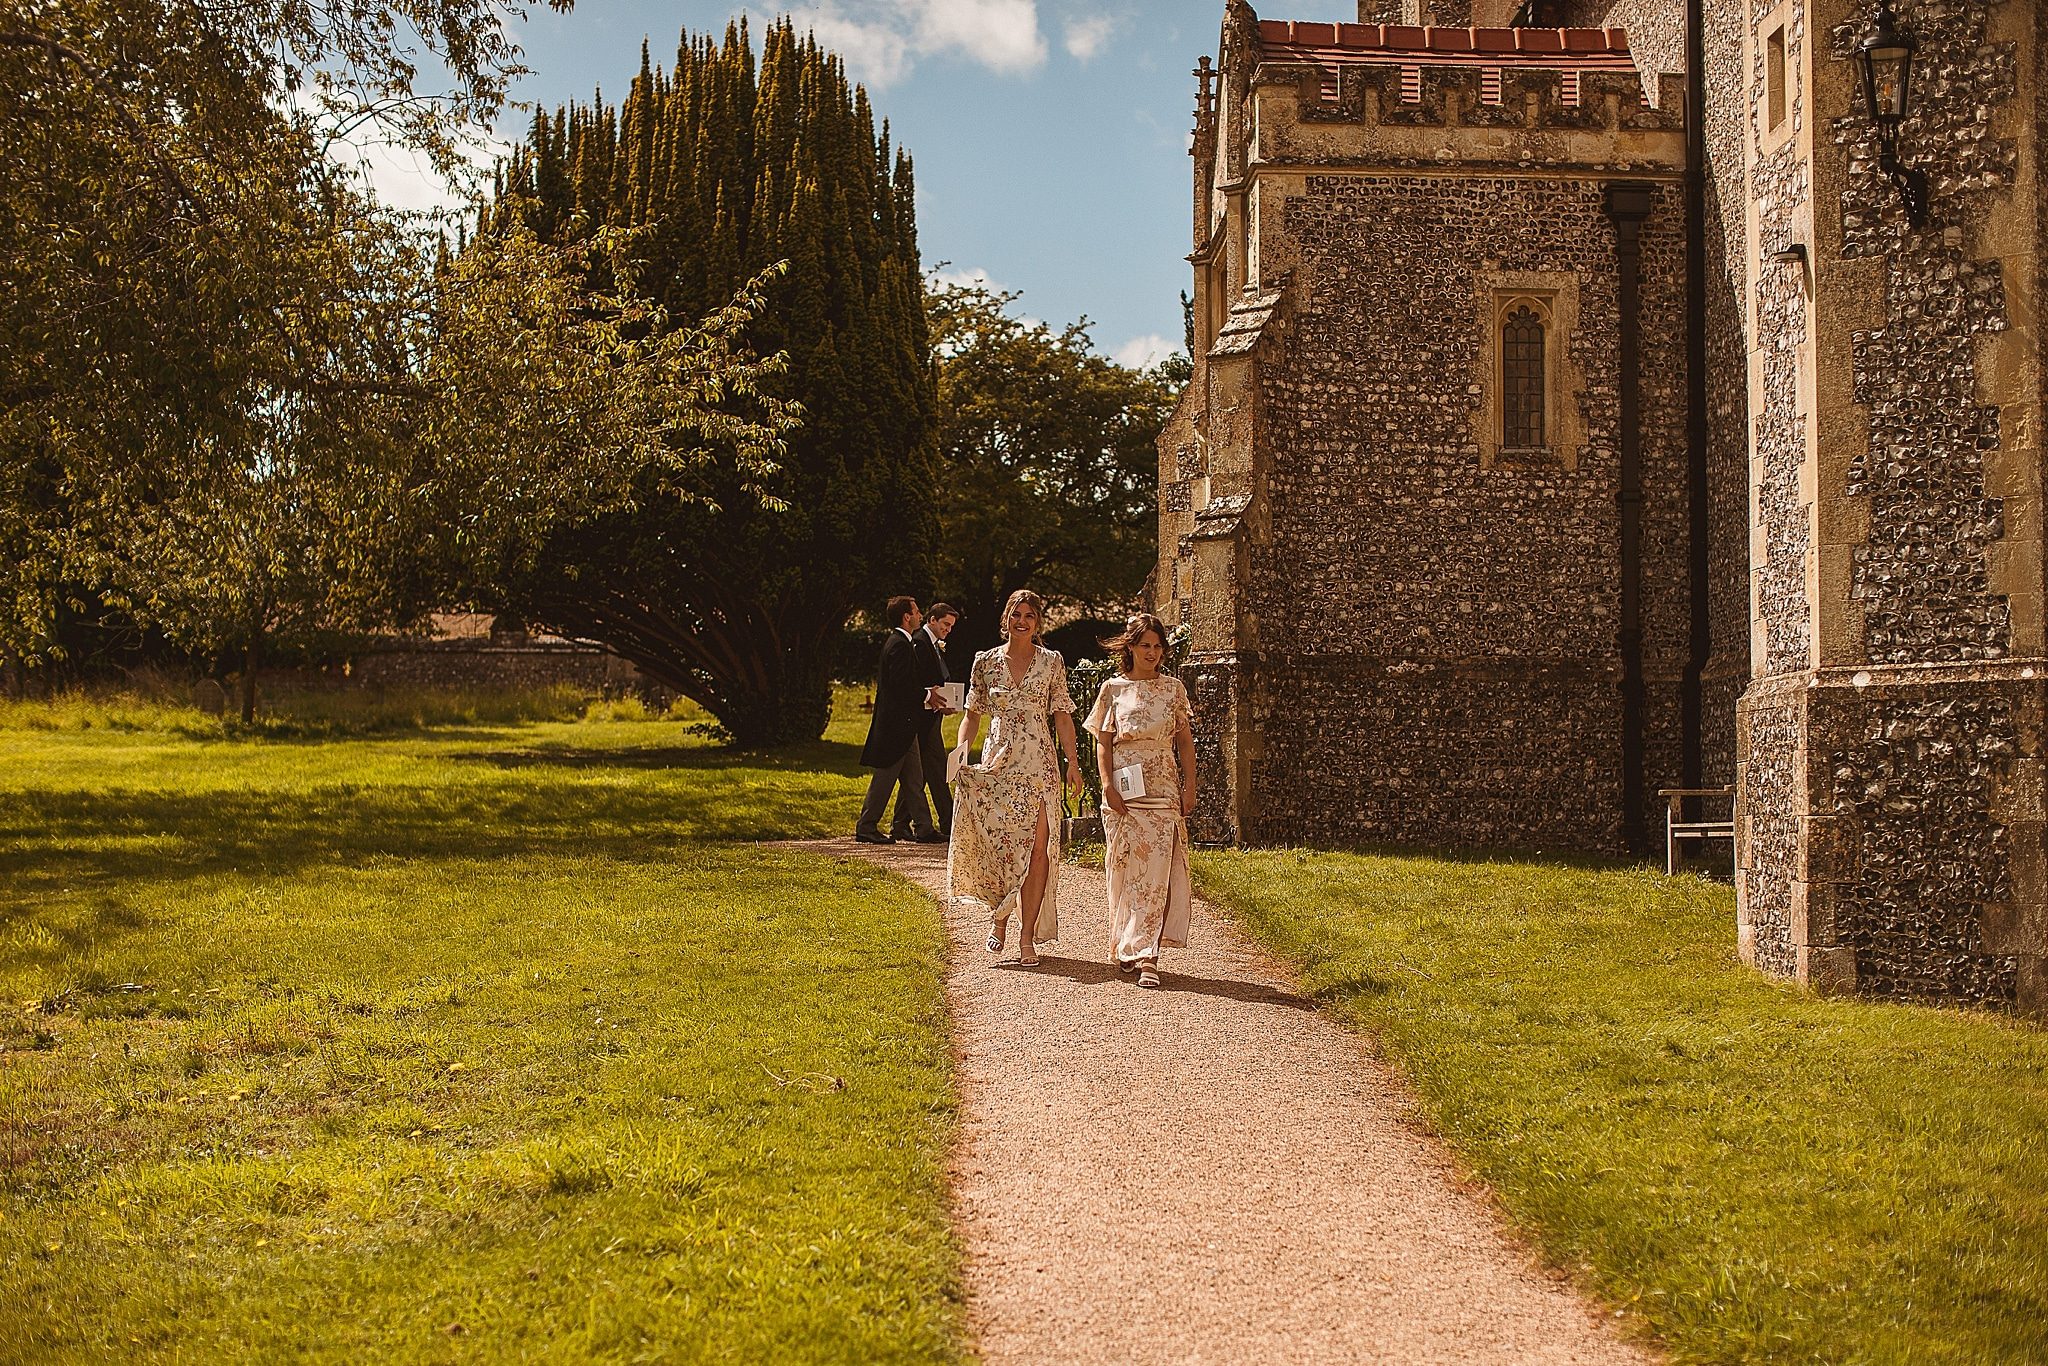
(1065, 726)
(1184, 750)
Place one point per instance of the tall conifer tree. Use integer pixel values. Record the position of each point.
(722, 168)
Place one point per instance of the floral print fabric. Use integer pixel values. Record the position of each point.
(999, 801)
(1146, 859)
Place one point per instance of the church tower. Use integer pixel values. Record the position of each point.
(1426, 504)
(1561, 431)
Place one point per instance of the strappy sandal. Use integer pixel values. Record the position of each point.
(995, 936)
(1148, 976)
(1031, 961)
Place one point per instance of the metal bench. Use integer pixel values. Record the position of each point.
(1677, 828)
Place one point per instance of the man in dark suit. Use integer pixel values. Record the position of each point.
(931, 741)
(893, 731)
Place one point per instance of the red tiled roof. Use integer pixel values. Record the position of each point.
(1334, 45)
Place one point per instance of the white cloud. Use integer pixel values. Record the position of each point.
(402, 178)
(877, 54)
(1000, 34)
(882, 39)
(1142, 353)
(1086, 37)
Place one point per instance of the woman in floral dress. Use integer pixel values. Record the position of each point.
(1141, 721)
(1007, 811)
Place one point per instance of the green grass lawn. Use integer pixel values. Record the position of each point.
(1749, 1172)
(482, 1042)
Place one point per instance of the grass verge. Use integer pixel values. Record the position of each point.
(1749, 1172)
(308, 715)
(482, 1043)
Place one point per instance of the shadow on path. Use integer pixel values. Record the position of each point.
(1088, 972)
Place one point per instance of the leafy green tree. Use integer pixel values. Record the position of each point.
(241, 400)
(200, 315)
(720, 168)
(1047, 467)
(568, 415)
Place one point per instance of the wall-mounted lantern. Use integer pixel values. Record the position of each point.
(1886, 57)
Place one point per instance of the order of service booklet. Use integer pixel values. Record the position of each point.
(1130, 781)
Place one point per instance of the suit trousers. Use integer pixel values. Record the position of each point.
(931, 745)
(912, 815)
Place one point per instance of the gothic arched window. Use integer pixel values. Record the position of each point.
(1522, 370)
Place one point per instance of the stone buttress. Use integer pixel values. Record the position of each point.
(1891, 741)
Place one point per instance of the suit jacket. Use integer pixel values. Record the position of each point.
(899, 703)
(931, 665)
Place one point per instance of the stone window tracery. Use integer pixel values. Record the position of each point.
(1523, 379)
(1526, 379)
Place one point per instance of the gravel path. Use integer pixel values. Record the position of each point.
(1209, 1173)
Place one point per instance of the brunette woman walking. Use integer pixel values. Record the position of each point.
(1145, 751)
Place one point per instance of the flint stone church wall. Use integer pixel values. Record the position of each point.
(1890, 822)
(1725, 259)
(1412, 635)
(1440, 664)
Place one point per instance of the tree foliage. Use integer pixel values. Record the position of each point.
(720, 168)
(1047, 463)
(238, 398)
(201, 315)
(558, 407)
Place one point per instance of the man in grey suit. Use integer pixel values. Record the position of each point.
(901, 699)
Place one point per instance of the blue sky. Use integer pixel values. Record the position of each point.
(1050, 135)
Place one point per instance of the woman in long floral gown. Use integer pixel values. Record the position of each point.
(1007, 810)
(1141, 720)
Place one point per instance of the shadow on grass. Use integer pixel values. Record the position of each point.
(66, 840)
(1460, 854)
(824, 756)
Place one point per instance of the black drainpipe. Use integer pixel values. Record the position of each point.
(1692, 702)
(1628, 203)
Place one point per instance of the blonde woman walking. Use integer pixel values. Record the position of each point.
(1007, 810)
(1145, 751)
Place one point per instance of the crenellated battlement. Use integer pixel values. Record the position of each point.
(1467, 96)
(1416, 76)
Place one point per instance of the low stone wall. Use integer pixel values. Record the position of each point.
(474, 665)
(454, 665)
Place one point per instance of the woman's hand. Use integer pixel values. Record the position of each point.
(1075, 789)
(1105, 764)
(1187, 800)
